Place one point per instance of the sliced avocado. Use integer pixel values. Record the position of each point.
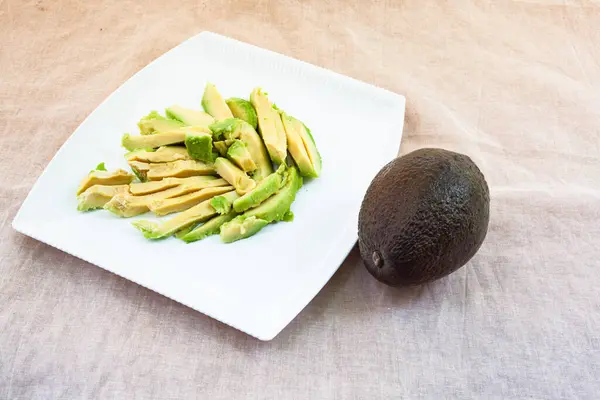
(140, 169)
(100, 167)
(213, 103)
(98, 195)
(189, 117)
(225, 129)
(179, 169)
(117, 177)
(221, 204)
(243, 110)
(209, 228)
(126, 205)
(239, 154)
(311, 147)
(241, 228)
(152, 141)
(199, 146)
(257, 151)
(289, 216)
(181, 203)
(235, 176)
(198, 213)
(263, 190)
(294, 130)
(269, 126)
(275, 207)
(221, 147)
(155, 123)
(144, 188)
(162, 154)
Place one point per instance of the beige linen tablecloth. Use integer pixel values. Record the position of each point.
(513, 84)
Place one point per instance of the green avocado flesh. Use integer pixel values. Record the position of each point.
(241, 228)
(243, 110)
(213, 103)
(209, 228)
(227, 168)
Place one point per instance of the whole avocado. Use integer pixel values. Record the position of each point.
(424, 216)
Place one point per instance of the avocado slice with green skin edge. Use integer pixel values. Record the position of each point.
(140, 169)
(288, 217)
(156, 123)
(235, 176)
(269, 127)
(135, 142)
(179, 169)
(295, 130)
(128, 205)
(221, 147)
(213, 103)
(188, 116)
(221, 204)
(181, 203)
(277, 206)
(199, 213)
(239, 154)
(97, 177)
(257, 151)
(243, 109)
(264, 189)
(199, 146)
(209, 228)
(241, 228)
(202, 182)
(160, 155)
(97, 196)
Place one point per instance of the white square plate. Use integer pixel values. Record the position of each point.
(256, 285)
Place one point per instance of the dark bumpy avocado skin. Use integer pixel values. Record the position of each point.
(424, 216)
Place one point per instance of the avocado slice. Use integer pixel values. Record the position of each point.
(239, 154)
(99, 177)
(152, 141)
(298, 138)
(225, 129)
(126, 205)
(264, 189)
(144, 188)
(198, 213)
(213, 103)
(311, 147)
(199, 146)
(181, 203)
(270, 126)
(235, 176)
(221, 147)
(179, 169)
(98, 195)
(257, 151)
(221, 204)
(243, 110)
(188, 116)
(276, 207)
(241, 228)
(209, 228)
(155, 123)
(162, 154)
(140, 169)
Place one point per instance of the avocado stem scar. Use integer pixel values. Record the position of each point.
(377, 260)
